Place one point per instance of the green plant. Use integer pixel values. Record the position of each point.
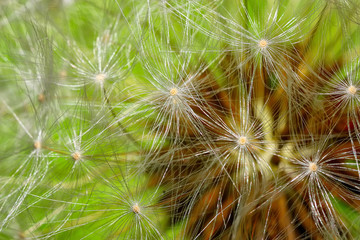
(179, 119)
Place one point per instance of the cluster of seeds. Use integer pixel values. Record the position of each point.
(200, 119)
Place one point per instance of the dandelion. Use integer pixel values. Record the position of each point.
(180, 119)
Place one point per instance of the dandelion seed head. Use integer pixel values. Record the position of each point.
(263, 43)
(100, 78)
(173, 91)
(37, 144)
(76, 156)
(135, 208)
(313, 167)
(351, 90)
(224, 137)
(242, 140)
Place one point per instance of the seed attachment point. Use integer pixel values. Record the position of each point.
(100, 78)
(37, 144)
(173, 91)
(263, 43)
(135, 208)
(242, 140)
(76, 156)
(351, 90)
(313, 167)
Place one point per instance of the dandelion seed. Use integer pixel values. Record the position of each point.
(352, 90)
(135, 208)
